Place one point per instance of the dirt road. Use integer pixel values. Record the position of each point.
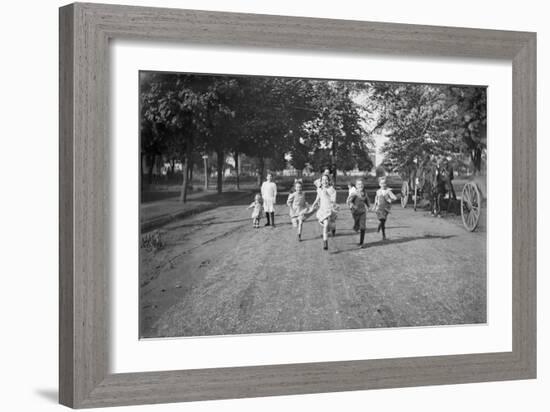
(217, 275)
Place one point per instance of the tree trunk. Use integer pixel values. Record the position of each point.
(236, 157)
(334, 160)
(219, 166)
(152, 158)
(186, 164)
(183, 191)
(261, 171)
(141, 169)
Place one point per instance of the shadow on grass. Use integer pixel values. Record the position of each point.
(395, 241)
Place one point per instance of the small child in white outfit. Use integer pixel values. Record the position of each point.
(256, 207)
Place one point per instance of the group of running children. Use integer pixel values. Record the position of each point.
(325, 206)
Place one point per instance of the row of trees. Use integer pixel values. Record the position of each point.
(305, 121)
(277, 119)
(424, 122)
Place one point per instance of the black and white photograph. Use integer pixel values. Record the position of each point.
(280, 204)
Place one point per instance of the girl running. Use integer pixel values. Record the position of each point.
(327, 213)
(382, 204)
(299, 209)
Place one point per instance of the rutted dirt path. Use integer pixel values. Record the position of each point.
(217, 275)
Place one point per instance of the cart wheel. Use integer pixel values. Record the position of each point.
(404, 194)
(470, 205)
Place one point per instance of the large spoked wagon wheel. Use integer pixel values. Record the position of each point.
(470, 205)
(405, 194)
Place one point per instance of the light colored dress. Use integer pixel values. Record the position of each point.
(256, 209)
(269, 195)
(326, 201)
(299, 208)
(382, 203)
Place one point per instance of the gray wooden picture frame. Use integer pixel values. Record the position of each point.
(85, 31)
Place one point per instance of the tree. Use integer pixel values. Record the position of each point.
(417, 119)
(222, 129)
(152, 137)
(267, 116)
(471, 120)
(300, 156)
(321, 159)
(270, 119)
(187, 107)
(338, 124)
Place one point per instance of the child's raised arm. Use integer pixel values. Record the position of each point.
(290, 199)
(351, 199)
(316, 202)
(391, 195)
(332, 195)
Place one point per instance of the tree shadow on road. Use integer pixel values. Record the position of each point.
(395, 241)
(209, 222)
(348, 232)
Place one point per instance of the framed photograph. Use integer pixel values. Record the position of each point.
(257, 205)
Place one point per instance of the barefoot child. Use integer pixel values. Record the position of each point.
(358, 203)
(382, 204)
(327, 213)
(269, 196)
(256, 207)
(299, 209)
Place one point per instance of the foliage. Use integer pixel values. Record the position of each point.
(304, 122)
(338, 126)
(427, 122)
(152, 241)
(471, 121)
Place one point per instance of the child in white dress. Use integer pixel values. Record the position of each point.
(299, 209)
(327, 212)
(256, 207)
(382, 205)
(269, 196)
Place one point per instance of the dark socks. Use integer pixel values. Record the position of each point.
(361, 237)
(272, 218)
(383, 227)
(267, 217)
(325, 244)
